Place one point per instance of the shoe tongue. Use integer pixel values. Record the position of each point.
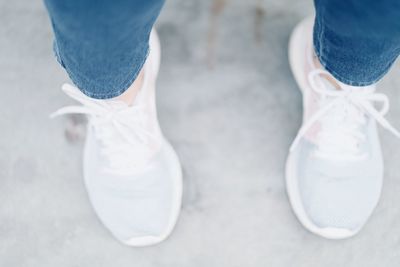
(332, 86)
(117, 104)
(347, 87)
(344, 87)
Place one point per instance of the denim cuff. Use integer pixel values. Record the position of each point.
(353, 60)
(86, 86)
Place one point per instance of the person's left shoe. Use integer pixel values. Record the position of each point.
(131, 172)
(334, 170)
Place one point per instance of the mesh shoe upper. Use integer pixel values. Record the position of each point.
(338, 193)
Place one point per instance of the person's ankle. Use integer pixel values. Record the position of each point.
(329, 78)
(130, 94)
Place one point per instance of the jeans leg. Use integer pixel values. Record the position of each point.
(102, 44)
(357, 41)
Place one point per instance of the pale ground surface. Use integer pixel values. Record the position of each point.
(228, 103)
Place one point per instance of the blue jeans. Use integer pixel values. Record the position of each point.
(357, 41)
(103, 44)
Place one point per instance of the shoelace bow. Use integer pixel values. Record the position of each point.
(126, 121)
(361, 99)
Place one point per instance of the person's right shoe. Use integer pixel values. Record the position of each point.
(334, 170)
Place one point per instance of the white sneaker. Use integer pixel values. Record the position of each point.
(131, 172)
(334, 170)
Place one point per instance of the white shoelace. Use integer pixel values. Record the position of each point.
(341, 118)
(119, 128)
